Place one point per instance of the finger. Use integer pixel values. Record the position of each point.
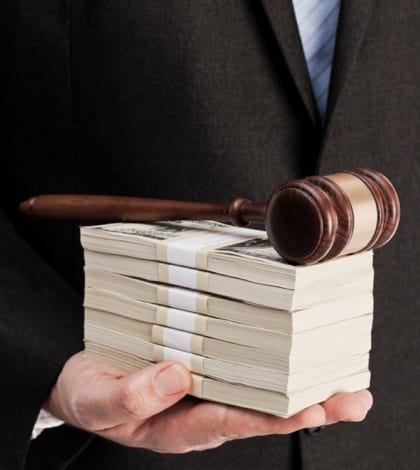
(207, 425)
(348, 406)
(239, 424)
(137, 396)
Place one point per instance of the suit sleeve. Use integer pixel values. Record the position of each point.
(40, 327)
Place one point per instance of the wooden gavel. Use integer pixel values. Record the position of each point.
(308, 220)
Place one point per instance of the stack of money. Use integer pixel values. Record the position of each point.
(256, 331)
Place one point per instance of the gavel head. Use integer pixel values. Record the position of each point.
(321, 217)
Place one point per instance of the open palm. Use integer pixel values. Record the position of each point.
(149, 408)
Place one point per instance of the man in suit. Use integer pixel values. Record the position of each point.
(196, 100)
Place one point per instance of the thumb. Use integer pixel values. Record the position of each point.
(134, 397)
(147, 392)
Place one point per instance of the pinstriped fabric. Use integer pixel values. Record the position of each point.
(317, 21)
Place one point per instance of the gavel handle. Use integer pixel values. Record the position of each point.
(97, 208)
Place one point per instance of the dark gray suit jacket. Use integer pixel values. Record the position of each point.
(205, 100)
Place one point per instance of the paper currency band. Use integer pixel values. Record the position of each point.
(364, 209)
(176, 339)
(181, 320)
(197, 386)
(184, 277)
(191, 361)
(182, 299)
(192, 251)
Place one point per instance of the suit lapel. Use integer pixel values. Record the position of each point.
(281, 16)
(354, 17)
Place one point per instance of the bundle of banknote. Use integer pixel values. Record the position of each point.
(255, 331)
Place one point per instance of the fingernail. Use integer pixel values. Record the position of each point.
(172, 380)
(367, 398)
(370, 401)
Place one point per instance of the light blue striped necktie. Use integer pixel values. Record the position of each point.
(317, 21)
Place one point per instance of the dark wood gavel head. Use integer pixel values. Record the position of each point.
(307, 221)
(321, 217)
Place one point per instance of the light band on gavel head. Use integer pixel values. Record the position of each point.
(333, 215)
(364, 212)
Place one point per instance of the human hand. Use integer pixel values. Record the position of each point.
(144, 409)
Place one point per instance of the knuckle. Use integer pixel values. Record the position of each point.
(225, 424)
(131, 400)
(358, 415)
(82, 413)
(222, 432)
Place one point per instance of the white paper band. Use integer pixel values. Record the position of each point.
(191, 361)
(184, 277)
(175, 355)
(192, 252)
(197, 386)
(182, 299)
(176, 339)
(180, 320)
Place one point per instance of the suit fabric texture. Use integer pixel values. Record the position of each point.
(199, 100)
